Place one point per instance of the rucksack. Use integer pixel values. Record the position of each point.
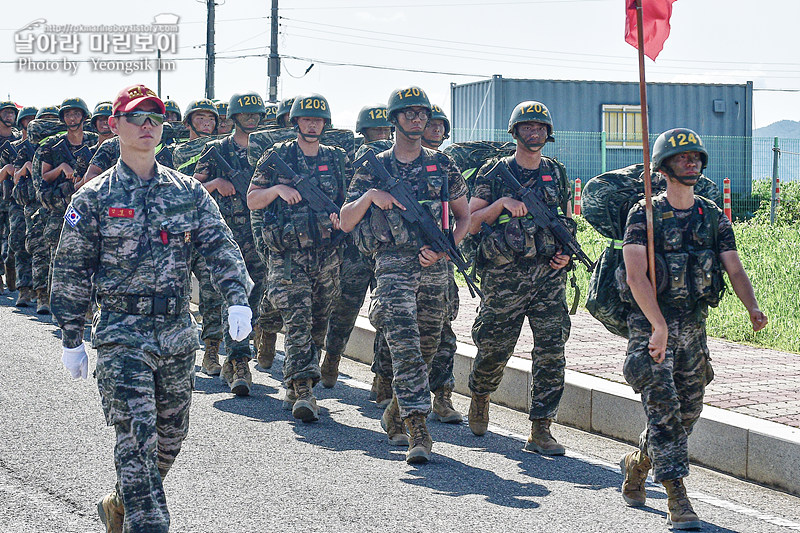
(606, 201)
(471, 155)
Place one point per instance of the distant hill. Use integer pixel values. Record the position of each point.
(783, 128)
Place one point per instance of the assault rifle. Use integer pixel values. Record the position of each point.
(317, 200)
(541, 214)
(12, 152)
(62, 147)
(239, 178)
(418, 216)
(9, 153)
(164, 156)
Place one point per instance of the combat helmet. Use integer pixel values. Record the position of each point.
(222, 108)
(406, 97)
(74, 103)
(311, 105)
(372, 116)
(283, 109)
(677, 141)
(270, 112)
(245, 103)
(10, 105)
(103, 109)
(172, 106)
(204, 104)
(47, 110)
(26, 112)
(438, 114)
(532, 111)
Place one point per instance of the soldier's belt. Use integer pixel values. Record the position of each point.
(132, 304)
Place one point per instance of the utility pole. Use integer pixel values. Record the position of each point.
(274, 64)
(210, 50)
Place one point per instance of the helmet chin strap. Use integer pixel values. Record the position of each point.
(410, 135)
(686, 180)
(431, 142)
(242, 127)
(7, 123)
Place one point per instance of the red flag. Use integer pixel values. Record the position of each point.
(655, 22)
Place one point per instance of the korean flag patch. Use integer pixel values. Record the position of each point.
(72, 216)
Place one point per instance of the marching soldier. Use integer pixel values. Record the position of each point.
(304, 245)
(408, 303)
(130, 231)
(667, 358)
(529, 280)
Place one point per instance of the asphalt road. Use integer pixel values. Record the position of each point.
(247, 466)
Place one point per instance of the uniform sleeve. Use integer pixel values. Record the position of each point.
(361, 183)
(76, 260)
(203, 167)
(726, 239)
(456, 183)
(483, 185)
(104, 156)
(215, 243)
(636, 226)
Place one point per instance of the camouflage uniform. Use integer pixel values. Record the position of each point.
(106, 154)
(5, 252)
(525, 286)
(303, 269)
(357, 274)
(408, 303)
(185, 157)
(55, 195)
(237, 215)
(133, 237)
(16, 238)
(672, 391)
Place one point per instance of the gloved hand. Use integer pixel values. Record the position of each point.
(76, 361)
(239, 317)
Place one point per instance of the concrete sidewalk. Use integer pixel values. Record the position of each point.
(749, 427)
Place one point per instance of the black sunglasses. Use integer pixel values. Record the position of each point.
(138, 118)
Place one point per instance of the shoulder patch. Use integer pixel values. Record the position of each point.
(72, 216)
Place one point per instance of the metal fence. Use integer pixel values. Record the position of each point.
(751, 163)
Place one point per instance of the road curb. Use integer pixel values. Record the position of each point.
(740, 445)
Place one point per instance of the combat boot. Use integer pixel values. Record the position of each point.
(112, 512)
(211, 364)
(24, 298)
(11, 275)
(43, 297)
(242, 379)
(289, 399)
(373, 391)
(443, 407)
(384, 393)
(392, 424)
(330, 369)
(541, 440)
(265, 349)
(305, 407)
(681, 515)
(634, 466)
(479, 414)
(420, 443)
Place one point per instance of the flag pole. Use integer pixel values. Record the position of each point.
(648, 190)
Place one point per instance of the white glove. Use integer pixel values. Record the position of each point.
(76, 361)
(239, 317)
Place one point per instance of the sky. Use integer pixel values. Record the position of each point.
(363, 49)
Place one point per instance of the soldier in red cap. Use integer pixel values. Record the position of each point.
(131, 230)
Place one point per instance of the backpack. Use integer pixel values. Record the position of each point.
(471, 156)
(606, 201)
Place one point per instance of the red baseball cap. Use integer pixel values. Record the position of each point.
(130, 98)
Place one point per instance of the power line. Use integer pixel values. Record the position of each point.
(454, 4)
(382, 67)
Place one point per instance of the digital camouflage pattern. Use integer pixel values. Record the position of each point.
(470, 156)
(16, 232)
(186, 154)
(237, 215)
(519, 288)
(132, 239)
(149, 409)
(409, 303)
(262, 140)
(303, 269)
(106, 154)
(55, 195)
(41, 128)
(357, 275)
(672, 391)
